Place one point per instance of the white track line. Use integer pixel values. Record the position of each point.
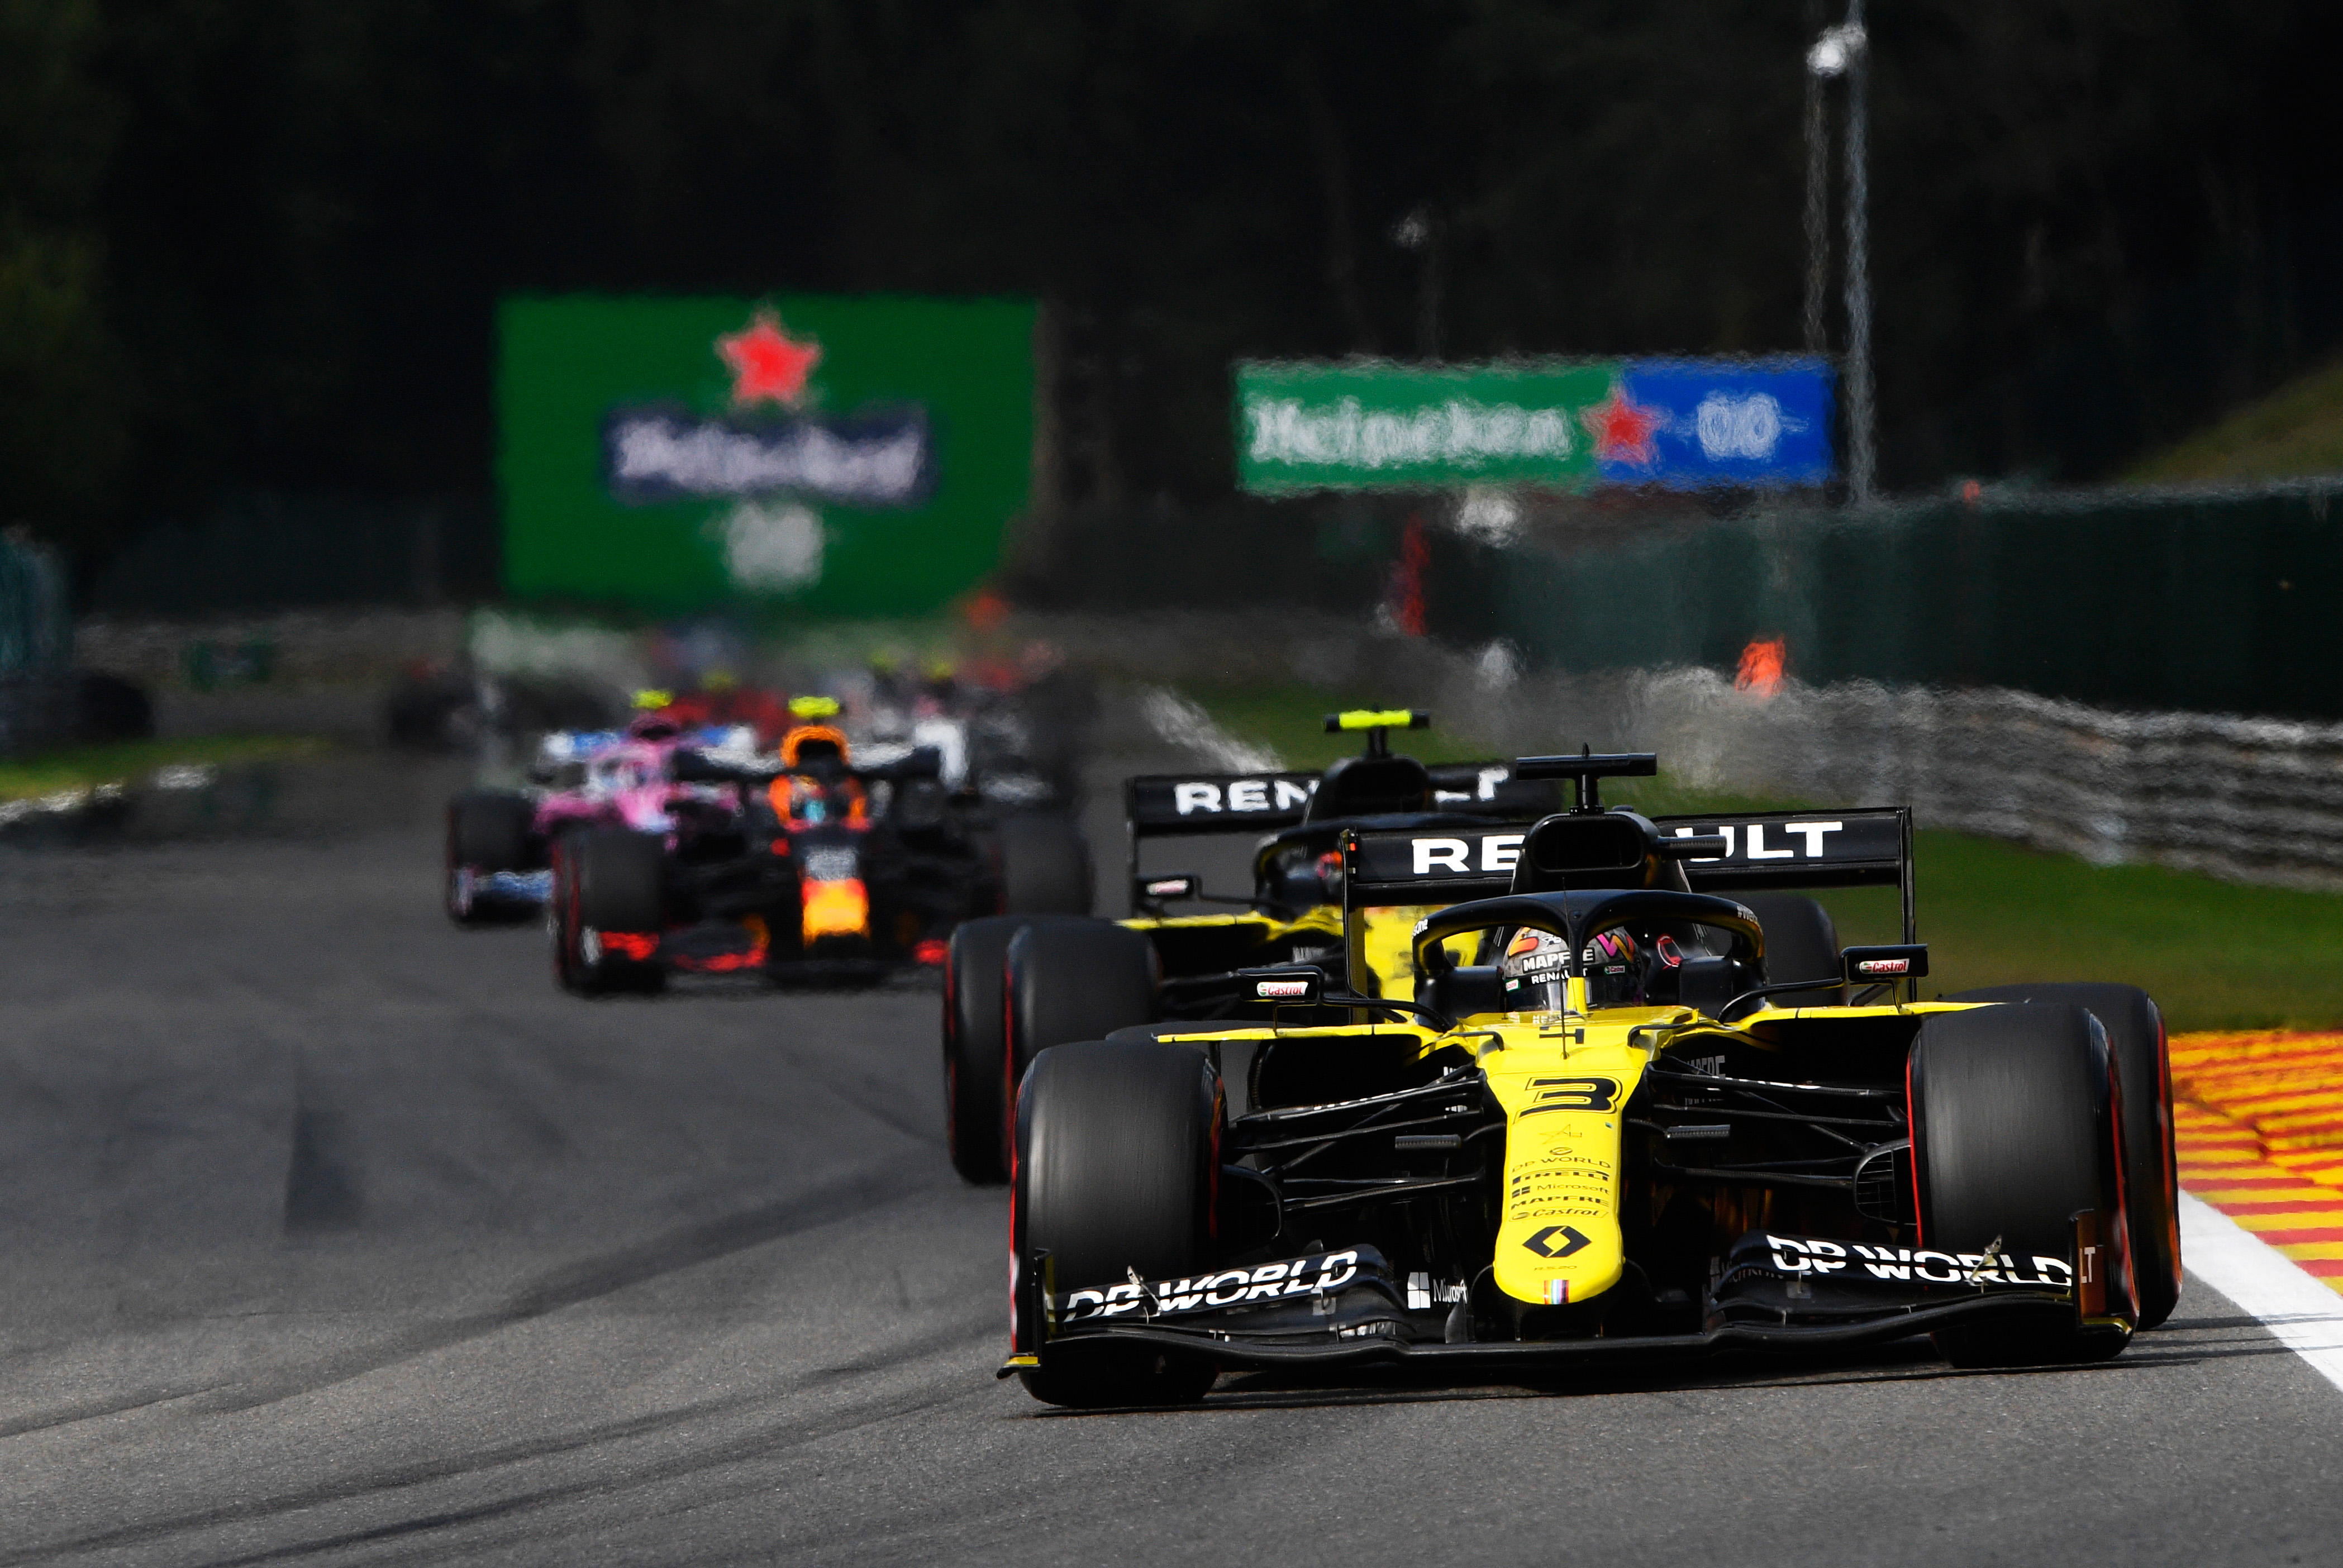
(2305, 1316)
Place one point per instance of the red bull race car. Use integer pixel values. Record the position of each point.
(671, 854)
(1562, 1109)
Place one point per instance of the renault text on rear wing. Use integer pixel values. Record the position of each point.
(1160, 804)
(1764, 851)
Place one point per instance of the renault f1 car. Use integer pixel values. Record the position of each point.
(1575, 1117)
(1014, 987)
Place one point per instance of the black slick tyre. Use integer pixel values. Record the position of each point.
(2151, 1169)
(2013, 1135)
(1117, 1155)
(1070, 978)
(1045, 867)
(608, 882)
(976, 1045)
(487, 831)
(1800, 943)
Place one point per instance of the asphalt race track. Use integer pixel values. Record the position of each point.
(333, 1233)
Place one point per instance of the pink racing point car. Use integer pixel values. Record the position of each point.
(501, 842)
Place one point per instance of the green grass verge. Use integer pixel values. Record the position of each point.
(131, 761)
(2295, 430)
(2214, 954)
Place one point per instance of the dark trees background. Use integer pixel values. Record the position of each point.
(257, 244)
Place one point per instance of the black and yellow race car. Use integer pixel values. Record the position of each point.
(1015, 985)
(1575, 1115)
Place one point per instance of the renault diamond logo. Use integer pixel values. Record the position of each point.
(1556, 1241)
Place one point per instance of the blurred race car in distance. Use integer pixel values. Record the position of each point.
(500, 843)
(692, 851)
(1582, 1115)
(1009, 743)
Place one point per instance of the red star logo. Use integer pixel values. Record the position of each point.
(1623, 430)
(765, 362)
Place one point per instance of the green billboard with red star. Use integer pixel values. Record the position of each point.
(846, 456)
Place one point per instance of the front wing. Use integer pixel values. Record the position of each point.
(1344, 1309)
(1521, 1356)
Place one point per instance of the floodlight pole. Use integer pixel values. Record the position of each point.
(1845, 50)
(1818, 211)
(1862, 465)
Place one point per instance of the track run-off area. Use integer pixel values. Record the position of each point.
(336, 1234)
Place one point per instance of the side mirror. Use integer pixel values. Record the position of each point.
(1155, 889)
(1297, 985)
(1871, 966)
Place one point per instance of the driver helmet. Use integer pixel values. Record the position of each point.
(653, 727)
(807, 742)
(1534, 967)
(1613, 966)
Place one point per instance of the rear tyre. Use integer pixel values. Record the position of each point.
(1069, 978)
(1118, 1152)
(608, 887)
(2012, 1137)
(487, 831)
(2151, 1170)
(1800, 943)
(1045, 867)
(976, 1045)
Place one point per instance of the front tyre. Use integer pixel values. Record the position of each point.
(487, 833)
(2013, 1135)
(1117, 1159)
(608, 907)
(2151, 1170)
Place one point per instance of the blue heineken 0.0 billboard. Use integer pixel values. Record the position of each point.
(847, 456)
(1566, 424)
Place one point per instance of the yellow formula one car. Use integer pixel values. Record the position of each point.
(1016, 985)
(1576, 1121)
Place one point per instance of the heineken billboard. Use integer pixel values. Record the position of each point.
(845, 455)
(1566, 424)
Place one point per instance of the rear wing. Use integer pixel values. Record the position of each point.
(1163, 805)
(1393, 869)
(1177, 805)
(1166, 804)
